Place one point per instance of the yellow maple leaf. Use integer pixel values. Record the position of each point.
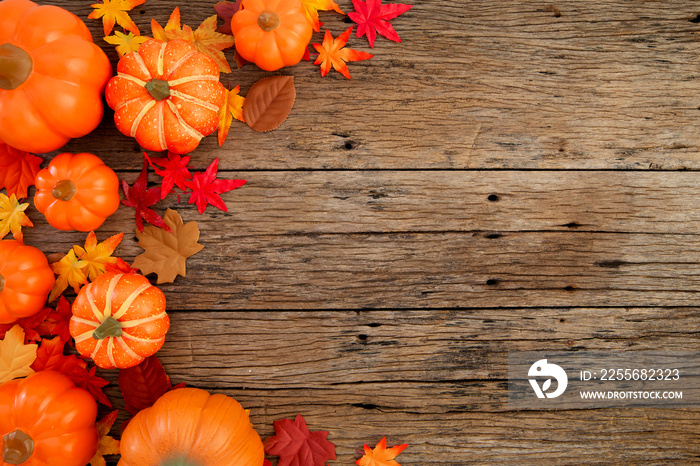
(126, 43)
(107, 445)
(380, 455)
(232, 108)
(15, 356)
(115, 11)
(205, 38)
(311, 8)
(70, 272)
(12, 217)
(97, 256)
(165, 252)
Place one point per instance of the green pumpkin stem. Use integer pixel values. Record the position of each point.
(15, 66)
(158, 89)
(64, 190)
(268, 20)
(17, 447)
(110, 327)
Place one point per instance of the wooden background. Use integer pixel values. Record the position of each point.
(514, 175)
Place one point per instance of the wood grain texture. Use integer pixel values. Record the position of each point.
(476, 84)
(434, 379)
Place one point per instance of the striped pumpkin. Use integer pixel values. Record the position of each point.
(119, 320)
(166, 95)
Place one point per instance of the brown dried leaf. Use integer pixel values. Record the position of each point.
(269, 102)
(166, 252)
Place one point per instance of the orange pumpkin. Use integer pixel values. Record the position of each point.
(76, 192)
(271, 33)
(119, 320)
(51, 76)
(46, 420)
(166, 95)
(189, 426)
(25, 280)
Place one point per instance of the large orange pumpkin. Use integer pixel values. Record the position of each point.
(191, 427)
(25, 280)
(119, 320)
(51, 76)
(76, 192)
(271, 33)
(166, 95)
(46, 420)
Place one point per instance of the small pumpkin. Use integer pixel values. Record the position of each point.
(76, 192)
(46, 420)
(119, 320)
(51, 76)
(167, 95)
(191, 427)
(271, 33)
(25, 280)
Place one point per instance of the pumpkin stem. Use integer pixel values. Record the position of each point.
(64, 190)
(17, 447)
(2, 283)
(268, 20)
(158, 89)
(110, 327)
(15, 66)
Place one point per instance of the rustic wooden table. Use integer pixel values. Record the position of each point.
(514, 175)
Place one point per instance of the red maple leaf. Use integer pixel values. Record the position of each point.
(56, 323)
(206, 188)
(141, 198)
(373, 18)
(143, 384)
(121, 266)
(17, 170)
(31, 325)
(333, 53)
(174, 170)
(297, 446)
(92, 383)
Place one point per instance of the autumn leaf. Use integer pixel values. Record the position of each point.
(206, 188)
(121, 266)
(142, 198)
(225, 11)
(381, 456)
(373, 18)
(57, 321)
(115, 11)
(232, 108)
(106, 445)
(166, 252)
(126, 43)
(89, 380)
(50, 357)
(97, 256)
(174, 170)
(333, 53)
(18, 170)
(16, 358)
(311, 8)
(295, 444)
(70, 273)
(12, 217)
(31, 325)
(269, 102)
(143, 384)
(205, 38)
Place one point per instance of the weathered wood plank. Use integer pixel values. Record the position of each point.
(474, 85)
(434, 379)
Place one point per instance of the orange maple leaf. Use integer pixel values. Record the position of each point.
(16, 357)
(17, 170)
(205, 38)
(381, 456)
(311, 8)
(97, 256)
(233, 108)
(333, 53)
(70, 272)
(115, 11)
(126, 43)
(107, 445)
